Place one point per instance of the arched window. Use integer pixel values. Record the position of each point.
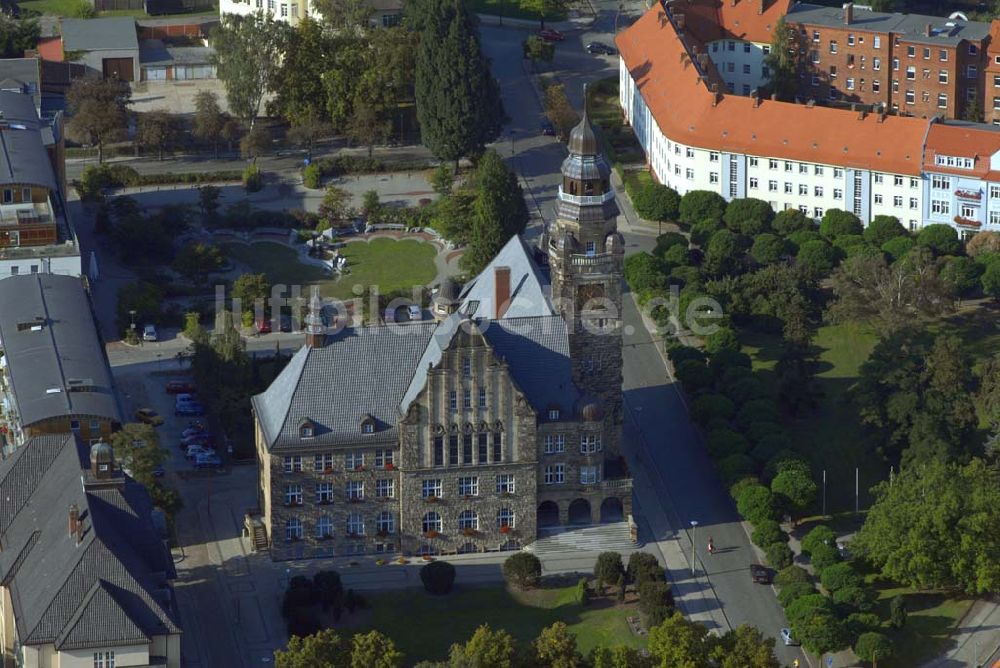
(432, 522)
(468, 519)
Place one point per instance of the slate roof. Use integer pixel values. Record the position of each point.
(115, 33)
(23, 158)
(153, 52)
(111, 588)
(911, 27)
(382, 370)
(22, 74)
(528, 289)
(46, 363)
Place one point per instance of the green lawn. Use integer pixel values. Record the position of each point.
(509, 9)
(425, 626)
(391, 265)
(70, 8)
(931, 618)
(619, 142)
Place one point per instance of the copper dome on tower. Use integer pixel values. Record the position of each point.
(582, 140)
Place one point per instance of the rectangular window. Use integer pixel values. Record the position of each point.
(355, 490)
(818, 212)
(555, 443)
(453, 450)
(814, 56)
(323, 463)
(994, 191)
(431, 488)
(468, 486)
(942, 100)
(453, 400)
(973, 49)
(104, 660)
(746, 47)
(439, 451)
(911, 51)
(354, 460)
(850, 84)
(788, 166)
(897, 201)
(943, 76)
(753, 183)
(482, 397)
(689, 174)
(914, 183)
(897, 181)
(838, 173)
(895, 64)
(913, 202)
(498, 446)
(803, 168)
(996, 81)
(772, 186)
(833, 46)
(554, 474)
(818, 191)
(877, 42)
(910, 97)
(324, 492)
(944, 183)
(927, 53)
(838, 193)
(850, 39)
(943, 55)
(284, 10)
(879, 178)
(588, 475)
(713, 177)
(803, 189)
(878, 198)
(292, 464)
(689, 152)
(818, 170)
(911, 73)
(971, 72)
(815, 35)
(969, 212)
(467, 449)
(293, 495)
(876, 63)
(505, 483)
(940, 206)
(590, 443)
(713, 156)
(754, 161)
(483, 447)
(746, 69)
(467, 399)
(466, 367)
(994, 217)
(772, 163)
(730, 46)
(833, 71)
(788, 188)
(385, 489)
(876, 85)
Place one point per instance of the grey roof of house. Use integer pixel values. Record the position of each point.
(112, 587)
(21, 73)
(382, 370)
(153, 52)
(59, 368)
(528, 288)
(912, 26)
(115, 33)
(23, 158)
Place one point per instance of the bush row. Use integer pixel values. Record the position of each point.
(95, 178)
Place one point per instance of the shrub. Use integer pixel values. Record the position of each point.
(823, 556)
(871, 646)
(723, 338)
(608, 568)
(781, 460)
(709, 406)
(793, 592)
(694, 375)
(854, 597)
(741, 484)
(703, 230)
(898, 247)
(791, 575)
(701, 204)
(821, 632)
(837, 222)
(644, 272)
(656, 603)
(942, 239)
(748, 216)
(655, 201)
(735, 467)
(818, 535)
(756, 504)
(312, 177)
(643, 567)
(883, 229)
(522, 570)
(582, 593)
(897, 612)
(669, 240)
(438, 577)
(779, 555)
(721, 443)
(839, 576)
(767, 532)
(807, 605)
(253, 179)
(860, 622)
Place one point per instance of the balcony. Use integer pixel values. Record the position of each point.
(586, 200)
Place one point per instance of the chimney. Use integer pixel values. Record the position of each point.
(928, 30)
(761, 6)
(703, 60)
(733, 3)
(848, 13)
(774, 97)
(74, 522)
(501, 290)
(854, 106)
(810, 103)
(755, 96)
(679, 20)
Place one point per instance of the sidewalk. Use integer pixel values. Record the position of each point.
(976, 638)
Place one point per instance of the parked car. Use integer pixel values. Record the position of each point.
(547, 129)
(196, 439)
(263, 325)
(551, 35)
(191, 431)
(788, 639)
(149, 416)
(208, 461)
(415, 312)
(197, 424)
(760, 574)
(149, 333)
(600, 48)
(184, 397)
(195, 450)
(189, 408)
(180, 387)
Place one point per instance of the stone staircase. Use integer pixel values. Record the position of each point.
(615, 537)
(254, 528)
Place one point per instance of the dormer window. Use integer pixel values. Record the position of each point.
(553, 413)
(307, 429)
(368, 424)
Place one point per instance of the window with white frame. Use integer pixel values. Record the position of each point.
(431, 522)
(293, 495)
(803, 189)
(754, 161)
(994, 191)
(468, 519)
(284, 10)
(994, 217)
(590, 443)
(913, 203)
(788, 188)
(468, 486)
(713, 177)
(772, 186)
(431, 488)
(838, 193)
(969, 211)
(878, 198)
(385, 523)
(942, 100)
(355, 490)
(914, 183)
(772, 163)
(788, 166)
(383, 458)
(453, 400)
(689, 152)
(324, 492)
(713, 156)
(324, 527)
(466, 367)
(323, 462)
(505, 483)
(818, 170)
(385, 488)
(355, 524)
(838, 173)
(293, 529)
(588, 475)
(971, 72)
(104, 659)
(910, 97)
(803, 168)
(505, 518)
(897, 201)
(482, 397)
(554, 443)
(293, 464)
(897, 181)
(467, 398)
(877, 41)
(554, 474)
(354, 460)
(876, 85)
(818, 212)
(940, 206)
(818, 191)
(879, 178)
(876, 63)
(689, 174)
(753, 183)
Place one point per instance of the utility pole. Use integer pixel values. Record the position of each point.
(856, 509)
(824, 492)
(694, 525)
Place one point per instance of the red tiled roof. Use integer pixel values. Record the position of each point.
(751, 20)
(682, 106)
(963, 141)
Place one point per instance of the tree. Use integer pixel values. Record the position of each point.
(367, 127)
(536, 48)
(655, 201)
(618, 656)
(983, 243)
(324, 649)
(897, 612)
(335, 208)
(544, 8)
(748, 216)
(790, 221)
(818, 535)
(499, 211)
(837, 222)
(374, 650)
(934, 526)
(991, 280)
(656, 602)
(795, 489)
(817, 258)
(743, 647)
(485, 649)
(840, 576)
(208, 201)
(523, 570)
(307, 129)
(255, 143)
(608, 569)
(98, 111)
(249, 288)
(723, 253)
(559, 111)
(697, 205)
(756, 503)
(329, 590)
(137, 449)
(873, 647)
(17, 36)
(556, 647)
(371, 207)
(961, 274)
(643, 567)
(310, 52)
(195, 261)
(941, 239)
(438, 577)
(679, 643)
(898, 248)
(796, 378)
(458, 100)
(783, 60)
(988, 394)
(870, 290)
(768, 249)
(882, 229)
(820, 631)
(248, 56)
(442, 180)
(208, 119)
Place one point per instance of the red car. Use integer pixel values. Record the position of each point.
(550, 35)
(263, 325)
(180, 387)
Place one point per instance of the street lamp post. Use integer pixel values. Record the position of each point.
(694, 525)
(131, 315)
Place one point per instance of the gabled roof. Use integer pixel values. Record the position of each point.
(963, 140)
(116, 33)
(749, 20)
(58, 368)
(23, 158)
(527, 287)
(909, 27)
(684, 110)
(110, 587)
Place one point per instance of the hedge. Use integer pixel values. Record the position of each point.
(793, 592)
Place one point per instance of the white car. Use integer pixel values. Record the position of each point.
(196, 450)
(788, 639)
(149, 333)
(414, 311)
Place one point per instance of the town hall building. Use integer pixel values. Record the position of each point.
(472, 433)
